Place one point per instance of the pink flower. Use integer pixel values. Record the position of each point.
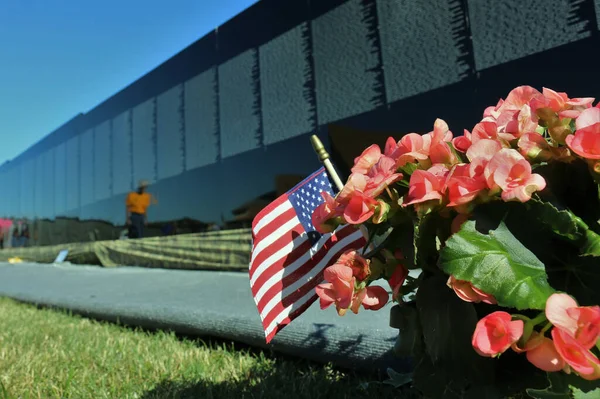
(586, 142)
(423, 186)
(410, 148)
(439, 150)
(464, 184)
(360, 208)
(486, 129)
(325, 212)
(358, 264)
(544, 355)
(575, 355)
(468, 293)
(484, 149)
(372, 298)
(462, 143)
(397, 279)
(365, 161)
(559, 103)
(493, 111)
(582, 323)
(534, 146)
(381, 175)
(495, 333)
(512, 173)
(589, 117)
(339, 288)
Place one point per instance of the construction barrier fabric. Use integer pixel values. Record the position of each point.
(218, 250)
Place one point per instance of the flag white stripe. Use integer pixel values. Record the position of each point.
(271, 238)
(286, 312)
(283, 252)
(268, 218)
(290, 289)
(288, 269)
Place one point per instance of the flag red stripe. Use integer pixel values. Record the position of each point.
(291, 317)
(302, 270)
(303, 290)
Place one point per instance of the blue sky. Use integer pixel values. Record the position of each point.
(62, 57)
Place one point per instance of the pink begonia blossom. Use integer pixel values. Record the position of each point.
(484, 149)
(437, 142)
(511, 172)
(469, 293)
(365, 161)
(495, 333)
(464, 184)
(545, 356)
(584, 362)
(560, 103)
(423, 186)
(381, 175)
(581, 322)
(324, 212)
(338, 290)
(397, 279)
(410, 148)
(534, 146)
(589, 117)
(586, 142)
(358, 264)
(372, 298)
(462, 143)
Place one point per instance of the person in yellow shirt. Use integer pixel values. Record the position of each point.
(136, 204)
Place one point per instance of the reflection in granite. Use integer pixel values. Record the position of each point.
(347, 64)
(510, 29)
(60, 175)
(201, 120)
(420, 49)
(86, 168)
(169, 131)
(102, 161)
(239, 118)
(122, 159)
(288, 105)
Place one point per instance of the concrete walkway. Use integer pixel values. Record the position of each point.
(214, 304)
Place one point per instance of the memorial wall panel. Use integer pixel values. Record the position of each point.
(14, 179)
(86, 165)
(38, 190)
(27, 183)
(597, 6)
(72, 175)
(239, 104)
(5, 197)
(201, 120)
(102, 161)
(122, 159)
(48, 174)
(420, 45)
(169, 132)
(511, 29)
(144, 141)
(60, 175)
(287, 87)
(347, 66)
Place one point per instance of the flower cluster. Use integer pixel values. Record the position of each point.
(574, 330)
(450, 176)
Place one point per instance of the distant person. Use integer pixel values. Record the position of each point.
(136, 205)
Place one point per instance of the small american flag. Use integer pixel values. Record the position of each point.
(289, 255)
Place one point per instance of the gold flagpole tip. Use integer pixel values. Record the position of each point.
(319, 148)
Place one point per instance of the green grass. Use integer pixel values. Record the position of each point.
(50, 354)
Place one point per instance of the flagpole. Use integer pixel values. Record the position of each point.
(324, 158)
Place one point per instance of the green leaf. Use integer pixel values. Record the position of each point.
(558, 388)
(579, 394)
(566, 224)
(498, 264)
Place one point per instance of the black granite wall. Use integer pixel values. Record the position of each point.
(227, 120)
